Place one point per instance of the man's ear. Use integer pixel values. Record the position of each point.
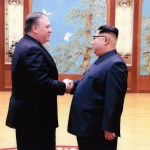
(34, 28)
(106, 40)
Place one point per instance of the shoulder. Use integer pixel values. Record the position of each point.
(27, 47)
(116, 60)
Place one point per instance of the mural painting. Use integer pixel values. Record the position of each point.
(145, 39)
(73, 23)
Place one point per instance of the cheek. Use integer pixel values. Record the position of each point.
(97, 45)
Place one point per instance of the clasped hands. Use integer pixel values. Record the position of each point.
(69, 85)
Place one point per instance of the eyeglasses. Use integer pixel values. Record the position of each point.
(94, 37)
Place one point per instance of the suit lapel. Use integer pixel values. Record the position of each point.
(50, 61)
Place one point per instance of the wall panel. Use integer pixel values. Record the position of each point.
(7, 78)
(1, 43)
(5, 66)
(136, 82)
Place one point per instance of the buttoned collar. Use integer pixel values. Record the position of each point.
(106, 55)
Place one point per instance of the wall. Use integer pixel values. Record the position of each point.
(116, 9)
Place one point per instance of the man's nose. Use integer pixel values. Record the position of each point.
(50, 29)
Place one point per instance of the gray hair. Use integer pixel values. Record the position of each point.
(32, 19)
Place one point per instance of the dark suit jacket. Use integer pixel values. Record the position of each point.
(35, 86)
(98, 98)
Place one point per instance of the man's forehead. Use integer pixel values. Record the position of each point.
(44, 19)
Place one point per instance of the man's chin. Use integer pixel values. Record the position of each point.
(96, 53)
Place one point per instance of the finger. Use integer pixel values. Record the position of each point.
(110, 137)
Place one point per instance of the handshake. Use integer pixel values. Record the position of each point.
(69, 85)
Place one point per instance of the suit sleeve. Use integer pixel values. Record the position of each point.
(116, 86)
(39, 73)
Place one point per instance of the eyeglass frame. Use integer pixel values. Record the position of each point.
(99, 36)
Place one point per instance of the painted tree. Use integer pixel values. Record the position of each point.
(75, 55)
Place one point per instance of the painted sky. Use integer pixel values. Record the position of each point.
(58, 8)
(146, 7)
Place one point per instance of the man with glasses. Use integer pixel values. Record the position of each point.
(99, 96)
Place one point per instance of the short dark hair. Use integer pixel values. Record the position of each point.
(109, 29)
(32, 19)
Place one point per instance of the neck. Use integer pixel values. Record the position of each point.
(30, 34)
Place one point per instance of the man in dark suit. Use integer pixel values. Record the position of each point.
(99, 96)
(35, 86)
